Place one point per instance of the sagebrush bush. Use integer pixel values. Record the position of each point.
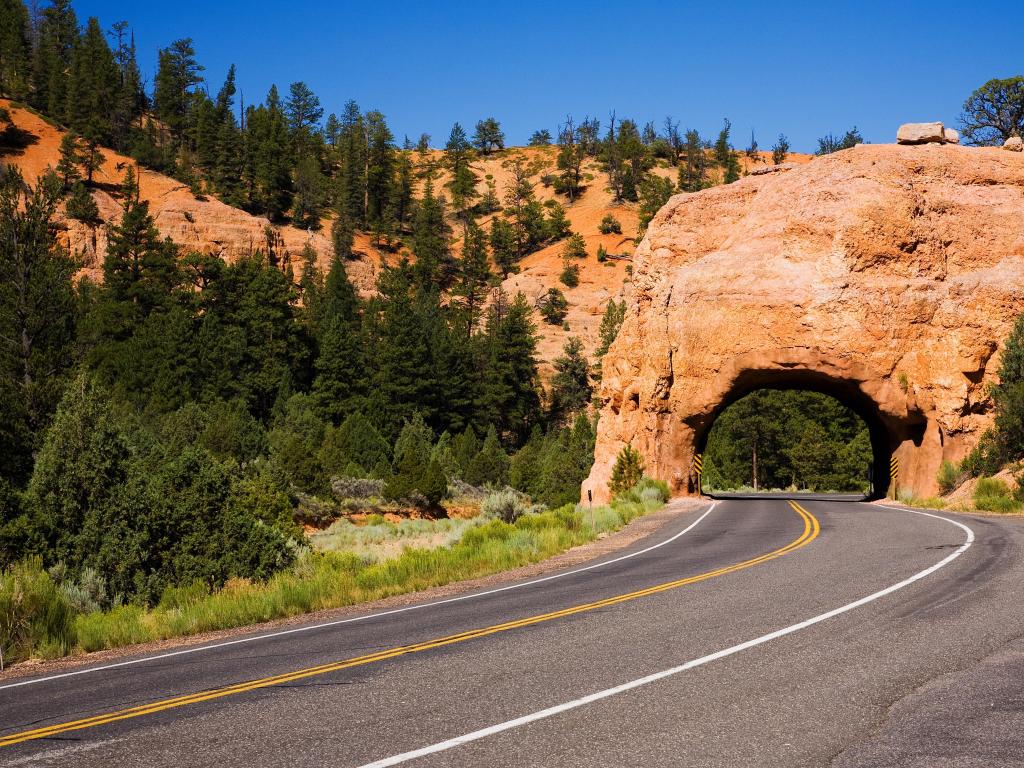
(506, 505)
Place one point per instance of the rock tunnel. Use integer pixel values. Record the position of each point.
(889, 431)
(884, 276)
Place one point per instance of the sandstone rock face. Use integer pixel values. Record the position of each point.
(921, 133)
(885, 275)
(1014, 144)
(951, 135)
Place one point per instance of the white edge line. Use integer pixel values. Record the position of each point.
(337, 622)
(608, 692)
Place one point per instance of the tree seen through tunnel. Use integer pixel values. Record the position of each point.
(788, 440)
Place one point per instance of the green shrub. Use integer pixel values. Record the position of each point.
(949, 477)
(993, 495)
(570, 276)
(610, 225)
(36, 617)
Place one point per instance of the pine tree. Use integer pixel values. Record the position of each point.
(488, 136)
(655, 191)
(570, 387)
(540, 138)
(71, 159)
(569, 162)
(725, 155)
(524, 212)
(693, 173)
(780, 150)
(510, 386)
(131, 98)
(490, 466)
(339, 368)
(380, 171)
(433, 267)
(93, 85)
(353, 151)
(140, 268)
(474, 276)
(58, 32)
(14, 49)
(268, 158)
(627, 470)
(37, 318)
(177, 74)
(457, 156)
(503, 246)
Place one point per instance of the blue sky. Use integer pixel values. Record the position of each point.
(803, 69)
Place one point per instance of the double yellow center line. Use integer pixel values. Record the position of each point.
(811, 530)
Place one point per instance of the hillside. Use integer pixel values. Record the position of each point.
(204, 224)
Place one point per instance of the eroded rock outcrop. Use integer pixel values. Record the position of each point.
(886, 275)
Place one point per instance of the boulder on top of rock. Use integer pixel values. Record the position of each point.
(921, 133)
(1014, 144)
(952, 135)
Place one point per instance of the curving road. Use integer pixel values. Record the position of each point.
(751, 632)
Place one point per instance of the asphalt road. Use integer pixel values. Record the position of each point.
(761, 636)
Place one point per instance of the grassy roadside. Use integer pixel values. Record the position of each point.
(38, 620)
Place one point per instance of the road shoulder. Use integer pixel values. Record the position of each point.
(637, 530)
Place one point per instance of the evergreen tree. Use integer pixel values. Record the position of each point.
(71, 160)
(434, 267)
(380, 171)
(1009, 395)
(725, 155)
(268, 164)
(780, 150)
(57, 34)
(131, 98)
(248, 344)
(570, 386)
(353, 151)
(523, 212)
(304, 112)
(490, 466)
(509, 393)
(474, 276)
(488, 136)
(37, 318)
(627, 470)
(541, 138)
(828, 143)
(340, 373)
(465, 447)
(177, 74)
(693, 173)
(140, 269)
(655, 191)
(503, 246)
(355, 446)
(14, 49)
(570, 162)
(457, 155)
(94, 82)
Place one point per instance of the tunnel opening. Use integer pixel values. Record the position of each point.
(845, 439)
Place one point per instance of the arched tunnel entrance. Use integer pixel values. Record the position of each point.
(886, 432)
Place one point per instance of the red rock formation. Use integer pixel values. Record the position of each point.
(885, 275)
